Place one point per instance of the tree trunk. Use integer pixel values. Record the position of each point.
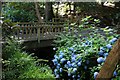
(75, 7)
(110, 64)
(39, 20)
(38, 13)
(0, 7)
(57, 9)
(0, 42)
(49, 11)
(69, 7)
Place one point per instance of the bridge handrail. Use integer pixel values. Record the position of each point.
(26, 31)
(43, 23)
(39, 26)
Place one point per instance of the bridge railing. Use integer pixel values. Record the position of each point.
(37, 31)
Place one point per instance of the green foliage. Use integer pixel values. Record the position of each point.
(86, 6)
(8, 27)
(19, 65)
(72, 33)
(78, 50)
(99, 11)
(19, 12)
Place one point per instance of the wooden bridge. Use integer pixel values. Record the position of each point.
(37, 34)
(35, 31)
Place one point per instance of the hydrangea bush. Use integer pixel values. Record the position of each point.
(81, 57)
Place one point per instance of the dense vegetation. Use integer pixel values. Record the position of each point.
(81, 55)
(18, 64)
(81, 49)
(26, 12)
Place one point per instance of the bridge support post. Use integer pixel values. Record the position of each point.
(38, 35)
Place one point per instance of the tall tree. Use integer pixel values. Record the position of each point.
(0, 7)
(38, 13)
(57, 9)
(49, 15)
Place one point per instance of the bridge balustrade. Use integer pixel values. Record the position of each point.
(37, 31)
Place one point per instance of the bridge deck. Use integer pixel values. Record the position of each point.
(33, 37)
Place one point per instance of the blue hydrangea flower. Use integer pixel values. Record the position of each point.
(66, 66)
(73, 59)
(78, 76)
(69, 74)
(55, 61)
(73, 76)
(61, 69)
(79, 59)
(113, 40)
(71, 48)
(101, 52)
(101, 48)
(63, 60)
(105, 54)
(61, 53)
(57, 76)
(77, 55)
(100, 60)
(74, 70)
(55, 71)
(72, 55)
(79, 63)
(69, 65)
(58, 66)
(68, 62)
(55, 56)
(95, 74)
(73, 64)
(109, 46)
(105, 58)
(115, 73)
(60, 56)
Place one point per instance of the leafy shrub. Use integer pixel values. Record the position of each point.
(8, 27)
(20, 65)
(18, 12)
(77, 53)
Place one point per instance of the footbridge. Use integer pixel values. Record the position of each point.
(37, 34)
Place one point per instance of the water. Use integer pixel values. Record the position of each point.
(46, 53)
